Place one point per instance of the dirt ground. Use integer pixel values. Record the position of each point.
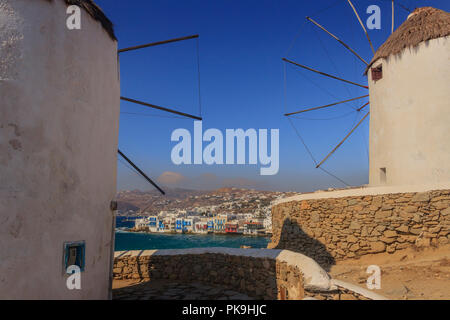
(410, 274)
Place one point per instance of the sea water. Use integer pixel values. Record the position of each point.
(144, 241)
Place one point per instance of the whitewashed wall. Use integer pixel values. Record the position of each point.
(59, 119)
(410, 116)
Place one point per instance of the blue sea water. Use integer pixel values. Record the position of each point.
(145, 241)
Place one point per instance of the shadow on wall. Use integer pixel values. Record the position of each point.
(293, 238)
(258, 278)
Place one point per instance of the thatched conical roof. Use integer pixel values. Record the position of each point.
(95, 12)
(423, 24)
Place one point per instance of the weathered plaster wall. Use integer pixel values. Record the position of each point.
(409, 116)
(328, 228)
(259, 273)
(59, 111)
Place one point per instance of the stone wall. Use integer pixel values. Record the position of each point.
(260, 277)
(337, 228)
(259, 273)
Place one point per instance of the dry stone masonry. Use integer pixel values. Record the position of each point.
(258, 273)
(331, 229)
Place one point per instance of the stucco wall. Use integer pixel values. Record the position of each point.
(409, 116)
(59, 96)
(329, 228)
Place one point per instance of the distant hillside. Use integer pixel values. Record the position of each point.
(123, 206)
(226, 199)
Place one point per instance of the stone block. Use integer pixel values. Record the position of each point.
(421, 197)
(377, 246)
(390, 233)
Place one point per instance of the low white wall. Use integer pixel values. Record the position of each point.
(315, 278)
(364, 191)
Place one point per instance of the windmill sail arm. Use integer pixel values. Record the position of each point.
(362, 25)
(157, 43)
(325, 106)
(338, 40)
(161, 108)
(140, 171)
(365, 105)
(343, 140)
(323, 73)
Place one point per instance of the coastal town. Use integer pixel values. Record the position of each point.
(223, 211)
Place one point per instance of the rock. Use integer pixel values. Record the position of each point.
(315, 217)
(390, 234)
(406, 215)
(383, 214)
(403, 229)
(391, 249)
(421, 197)
(441, 205)
(304, 205)
(387, 240)
(378, 246)
(446, 211)
(435, 229)
(355, 225)
(364, 232)
(423, 242)
(346, 296)
(352, 239)
(411, 209)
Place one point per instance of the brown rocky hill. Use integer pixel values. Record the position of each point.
(227, 199)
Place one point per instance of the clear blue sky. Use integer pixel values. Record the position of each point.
(241, 46)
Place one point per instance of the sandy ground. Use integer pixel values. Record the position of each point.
(408, 274)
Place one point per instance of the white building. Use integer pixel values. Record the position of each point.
(201, 226)
(153, 223)
(59, 124)
(409, 81)
(267, 223)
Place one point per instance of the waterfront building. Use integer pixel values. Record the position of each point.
(152, 223)
(161, 225)
(219, 222)
(179, 225)
(141, 223)
(232, 228)
(188, 224)
(201, 226)
(253, 228)
(268, 224)
(210, 225)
